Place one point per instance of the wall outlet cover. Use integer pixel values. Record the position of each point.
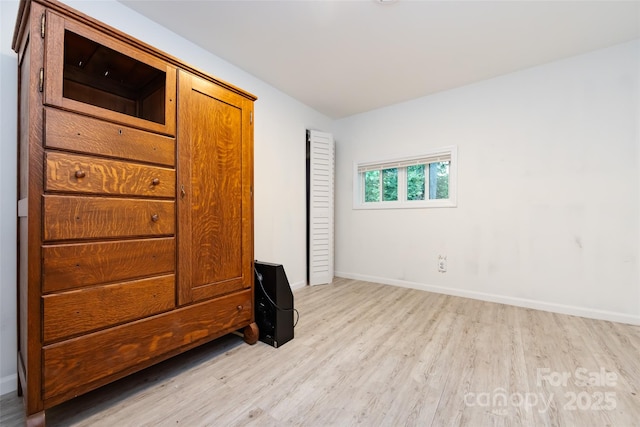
(442, 263)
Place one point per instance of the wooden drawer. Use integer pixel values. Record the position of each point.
(82, 134)
(72, 266)
(75, 312)
(74, 366)
(70, 217)
(85, 174)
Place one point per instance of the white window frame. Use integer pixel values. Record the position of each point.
(445, 153)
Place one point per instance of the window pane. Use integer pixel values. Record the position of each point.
(439, 180)
(372, 186)
(390, 184)
(415, 182)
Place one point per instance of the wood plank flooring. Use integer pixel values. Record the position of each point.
(376, 355)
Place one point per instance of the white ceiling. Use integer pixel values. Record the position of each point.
(346, 57)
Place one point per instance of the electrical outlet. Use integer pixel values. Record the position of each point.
(442, 263)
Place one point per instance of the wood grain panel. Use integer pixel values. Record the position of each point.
(26, 335)
(138, 343)
(80, 311)
(91, 96)
(216, 185)
(216, 210)
(69, 217)
(74, 132)
(86, 174)
(152, 106)
(219, 288)
(86, 264)
(30, 170)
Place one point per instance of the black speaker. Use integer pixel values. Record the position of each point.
(273, 304)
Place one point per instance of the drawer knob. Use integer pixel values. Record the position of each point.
(155, 217)
(80, 174)
(155, 181)
(239, 308)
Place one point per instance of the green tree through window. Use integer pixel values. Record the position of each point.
(390, 185)
(372, 186)
(439, 180)
(415, 182)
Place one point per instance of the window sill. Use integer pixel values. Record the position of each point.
(444, 203)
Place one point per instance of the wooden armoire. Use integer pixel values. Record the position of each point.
(135, 210)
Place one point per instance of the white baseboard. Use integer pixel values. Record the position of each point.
(519, 302)
(298, 285)
(8, 384)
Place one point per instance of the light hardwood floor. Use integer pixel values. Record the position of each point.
(375, 355)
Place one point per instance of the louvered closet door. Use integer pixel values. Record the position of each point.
(321, 197)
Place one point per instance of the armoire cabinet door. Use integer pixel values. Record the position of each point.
(215, 180)
(89, 72)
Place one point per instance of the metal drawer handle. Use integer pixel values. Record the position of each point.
(80, 174)
(155, 181)
(239, 308)
(155, 217)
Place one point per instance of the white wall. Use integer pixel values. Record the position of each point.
(8, 183)
(280, 158)
(548, 189)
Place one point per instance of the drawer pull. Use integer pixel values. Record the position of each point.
(80, 174)
(155, 181)
(155, 217)
(239, 308)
